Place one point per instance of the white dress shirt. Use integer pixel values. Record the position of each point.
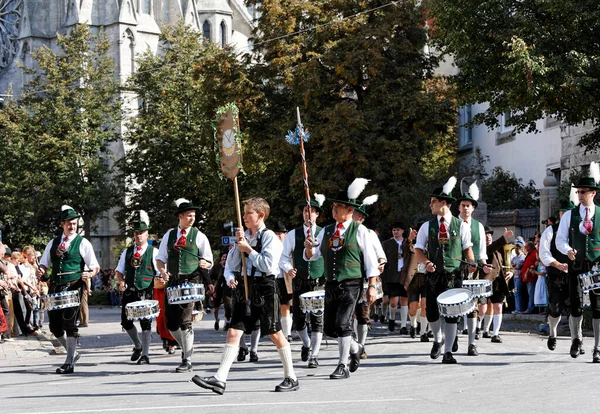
(289, 244)
(465, 233)
(121, 265)
(365, 243)
(267, 261)
(482, 242)
(562, 236)
(86, 250)
(204, 250)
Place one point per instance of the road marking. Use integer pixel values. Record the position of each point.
(245, 404)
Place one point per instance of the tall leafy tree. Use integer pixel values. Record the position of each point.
(533, 58)
(171, 147)
(367, 91)
(56, 137)
(502, 190)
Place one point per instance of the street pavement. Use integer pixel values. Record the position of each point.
(518, 376)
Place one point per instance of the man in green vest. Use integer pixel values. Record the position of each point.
(184, 256)
(306, 277)
(136, 271)
(579, 238)
(348, 253)
(68, 254)
(467, 204)
(446, 240)
(558, 277)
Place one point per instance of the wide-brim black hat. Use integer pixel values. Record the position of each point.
(185, 205)
(280, 227)
(488, 230)
(586, 182)
(398, 224)
(440, 195)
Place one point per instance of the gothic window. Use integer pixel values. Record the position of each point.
(223, 33)
(131, 40)
(146, 6)
(10, 21)
(206, 30)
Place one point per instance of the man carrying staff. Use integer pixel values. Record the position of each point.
(136, 271)
(579, 238)
(347, 250)
(306, 277)
(447, 240)
(68, 255)
(184, 256)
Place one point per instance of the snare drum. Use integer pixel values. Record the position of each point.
(480, 288)
(313, 302)
(590, 280)
(62, 300)
(378, 289)
(142, 310)
(185, 293)
(456, 302)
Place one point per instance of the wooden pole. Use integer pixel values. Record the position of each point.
(239, 220)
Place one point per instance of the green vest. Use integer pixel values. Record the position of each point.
(142, 276)
(475, 238)
(452, 252)
(587, 246)
(70, 262)
(345, 263)
(305, 269)
(183, 261)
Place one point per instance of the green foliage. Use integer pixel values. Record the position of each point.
(171, 144)
(533, 58)
(368, 95)
(504, 191)
(55, 138)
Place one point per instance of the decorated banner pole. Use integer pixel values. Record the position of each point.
(300, 136)
(229, 149)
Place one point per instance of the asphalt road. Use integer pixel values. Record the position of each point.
(519, 374)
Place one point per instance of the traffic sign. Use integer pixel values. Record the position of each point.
(226, 240)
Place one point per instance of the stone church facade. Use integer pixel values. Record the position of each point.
(133, 26)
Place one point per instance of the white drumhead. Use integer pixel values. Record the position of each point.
(453, 296)
(314, 294)
(142, 304)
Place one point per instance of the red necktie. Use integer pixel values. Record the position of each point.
(338, 229)
(137, 253)
(587, 223)
(443, 230)
(63, 245)
(181, 241)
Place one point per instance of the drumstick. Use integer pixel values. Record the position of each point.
(480, 267)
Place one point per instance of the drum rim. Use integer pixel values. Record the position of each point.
(465, 290)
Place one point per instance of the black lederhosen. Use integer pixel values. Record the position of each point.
(130, 295)
(436, 284)
(264, 308)
(558, 292)
(340, 302)
(284, 296)
(417, 289)
(223, 295)
(362, 311)
(394, 289)
(576, 291)
(499, 289)
(64, 320)
(302, 286)
(179, 316)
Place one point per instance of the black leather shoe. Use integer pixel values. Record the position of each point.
(242, 354)
(305, 353)
(413, 332)
(340, 372)
(424, 338)
(429, 334)
(136, 354)
(403, 331)
(575, 348)
(375, 317)
(382, 319)
(144, 360)
(253, 357)
(226, 327)
(210, 383)
(551, 343)
(391, 325)
(496, 339)
(288, 384)
(185, 366)
(455, 344)
(436, 350)
(596, 355)
(448, 358)
(65, 369)
(465, 331)
(313, 362)
(217, 325)
(355, 359)
(486, 334)
(472, 350)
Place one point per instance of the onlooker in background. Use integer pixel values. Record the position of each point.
(19, 306)
(5, 293)
(86, 291)
(541, 291)
(517, 264)
(30, 279)
(527, 274)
